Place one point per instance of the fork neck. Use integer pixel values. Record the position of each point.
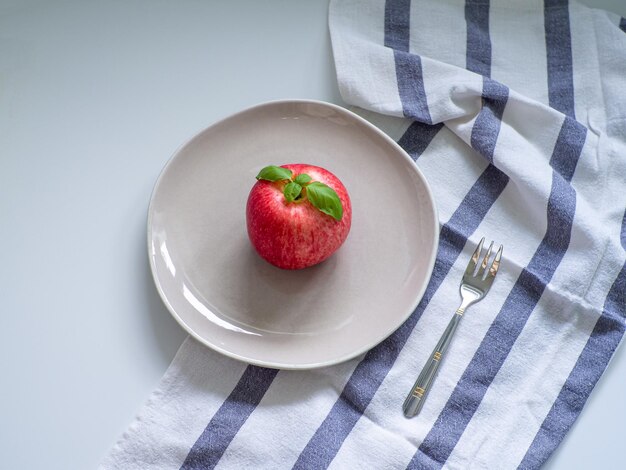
(464, 304)
(468, 296)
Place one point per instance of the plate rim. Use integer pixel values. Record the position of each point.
(276, 364)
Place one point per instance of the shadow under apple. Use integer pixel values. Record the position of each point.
(276, 300)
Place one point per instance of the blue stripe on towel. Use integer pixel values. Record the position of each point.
(408, 66)
(417, 137)
(559, 51)
(411, 86)
(591, 363)
(218, 434)
(571, 137)
(397, 24)
(478, 53)
(478, 60)
(397, 35)
(487, 125)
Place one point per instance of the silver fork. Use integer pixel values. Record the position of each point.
(474, 286)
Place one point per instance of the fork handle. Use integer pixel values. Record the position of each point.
(415, 399)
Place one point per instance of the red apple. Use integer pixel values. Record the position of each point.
(297, 215)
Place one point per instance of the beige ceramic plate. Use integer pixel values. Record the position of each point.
(227, 297)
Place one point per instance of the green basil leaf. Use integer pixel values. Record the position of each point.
(274, 173)
(292, 191)
(325, 199)
(302, 179)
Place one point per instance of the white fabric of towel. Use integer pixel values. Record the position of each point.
(516, 113)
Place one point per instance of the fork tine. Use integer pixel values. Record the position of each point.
(483, 265)
(471, 266)
(496, 263)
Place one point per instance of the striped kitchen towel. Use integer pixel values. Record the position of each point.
(515, 110)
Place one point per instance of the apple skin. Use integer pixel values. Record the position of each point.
(295, 235)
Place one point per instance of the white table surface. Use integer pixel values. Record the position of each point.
(94, 98)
